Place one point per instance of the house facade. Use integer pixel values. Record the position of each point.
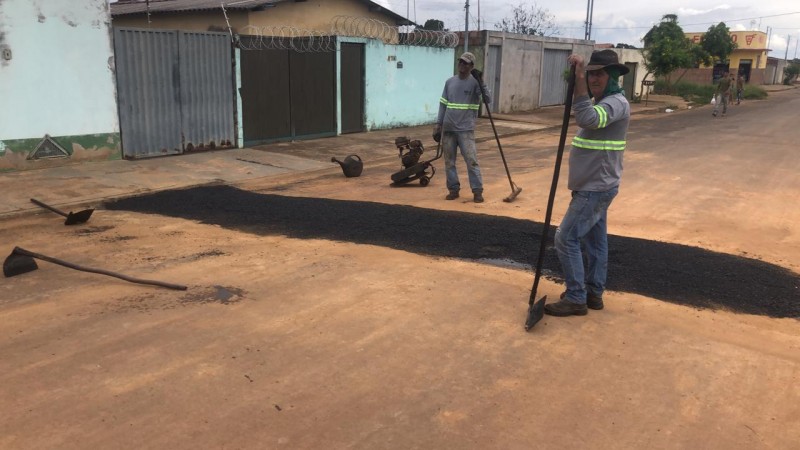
(749, 58)
(217, 15)
(301, 69)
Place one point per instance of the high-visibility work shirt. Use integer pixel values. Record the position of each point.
(459, 104)
(595, 160)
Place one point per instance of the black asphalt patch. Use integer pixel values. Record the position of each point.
(675, 273)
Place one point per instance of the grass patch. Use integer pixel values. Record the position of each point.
(702, 93)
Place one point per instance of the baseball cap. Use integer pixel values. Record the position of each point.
(468, 57)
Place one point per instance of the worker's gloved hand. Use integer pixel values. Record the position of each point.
(437, 135)
(477, 74)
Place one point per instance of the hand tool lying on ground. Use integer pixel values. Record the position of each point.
(72, 218)
(536, 310)
(21, 261)
(515, 190)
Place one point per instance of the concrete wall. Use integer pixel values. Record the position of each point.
(705, 76)
(187, 21)
(407, 96)
(635, 57)
(59, 81)
(521, 64)
(774, 71)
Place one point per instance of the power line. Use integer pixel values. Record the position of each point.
(699, 23)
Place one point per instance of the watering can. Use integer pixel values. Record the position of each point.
(351, 166)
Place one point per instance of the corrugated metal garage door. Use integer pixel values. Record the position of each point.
(554, 87)
(175, 91)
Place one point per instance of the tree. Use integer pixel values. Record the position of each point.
(432, 25)
(791, 72)
(718, 43)
(529, 19)
(666, 49)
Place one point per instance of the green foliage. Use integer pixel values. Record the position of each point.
(529, 19)
(432, 25)
(752, 92)
(702, 93)
(791, 72)
(718, 43)
(666, 48)
(695, 93)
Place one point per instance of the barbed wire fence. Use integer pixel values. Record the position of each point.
(303, 40)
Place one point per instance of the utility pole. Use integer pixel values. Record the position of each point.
(769, 38)
(788, 40)
(466, 27)
(479, 15)
(588, 23)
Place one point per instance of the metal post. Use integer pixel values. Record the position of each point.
(769, 38)
(587, 35)
(466, 27)
(788, 41)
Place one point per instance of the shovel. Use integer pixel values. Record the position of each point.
(72, 218)
(21, 261)
(536, 310)
(515, 190)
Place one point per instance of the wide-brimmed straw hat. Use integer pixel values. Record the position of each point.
(602, 59)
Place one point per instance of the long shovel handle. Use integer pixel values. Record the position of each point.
(22, 251)
(496, 137)
(554, 185)
(48, 207)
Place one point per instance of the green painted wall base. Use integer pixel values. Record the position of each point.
(14, 153)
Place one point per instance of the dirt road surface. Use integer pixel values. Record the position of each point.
(327, 341)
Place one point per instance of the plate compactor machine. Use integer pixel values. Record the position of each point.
(413, 169)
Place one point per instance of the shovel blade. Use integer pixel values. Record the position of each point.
(535, 313)
(78, 217)
(16, 264)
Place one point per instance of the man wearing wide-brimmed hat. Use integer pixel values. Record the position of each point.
(595, 170)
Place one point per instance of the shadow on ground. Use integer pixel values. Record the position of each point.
(671, 272)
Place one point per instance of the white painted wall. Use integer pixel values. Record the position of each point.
(60, 78)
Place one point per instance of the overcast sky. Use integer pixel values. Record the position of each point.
(623, 21)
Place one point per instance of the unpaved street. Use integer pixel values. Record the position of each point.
(372, 337)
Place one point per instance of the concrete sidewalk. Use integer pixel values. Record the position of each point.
(81, 185)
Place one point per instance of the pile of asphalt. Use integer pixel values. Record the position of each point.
(675, 273)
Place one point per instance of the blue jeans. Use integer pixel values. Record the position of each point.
(465, 140)
(585, 225)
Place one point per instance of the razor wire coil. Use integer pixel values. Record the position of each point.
(282, 37)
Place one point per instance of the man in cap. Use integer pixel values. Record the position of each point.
(455, 125)
(595, 169)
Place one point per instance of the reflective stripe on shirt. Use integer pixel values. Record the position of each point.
(459, 105)
(591, 144)
(602, 116)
